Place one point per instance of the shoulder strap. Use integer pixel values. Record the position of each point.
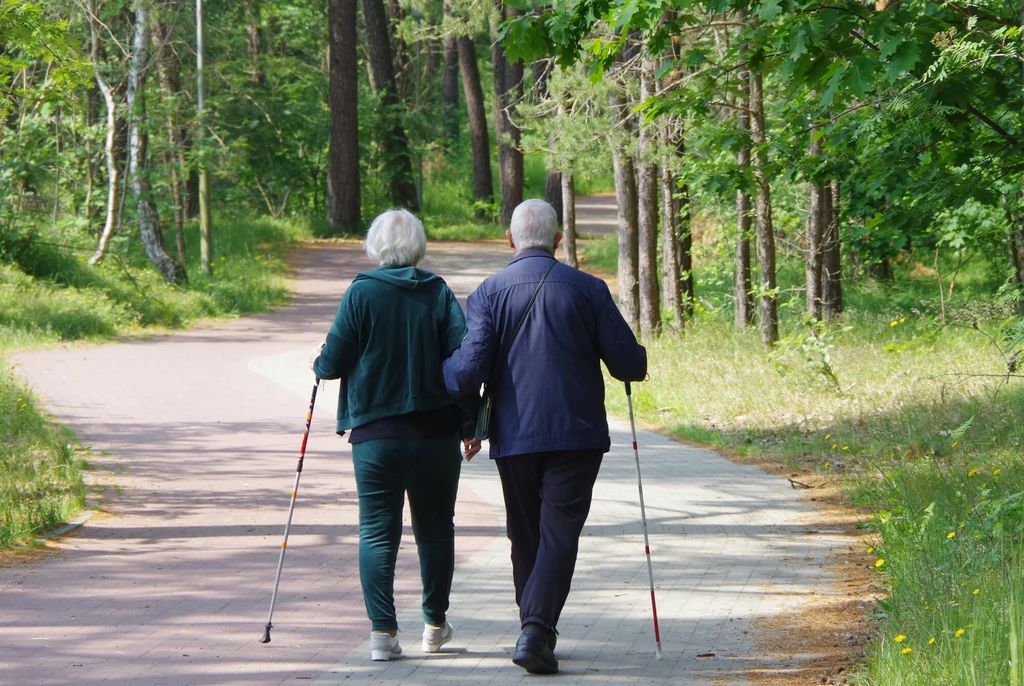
(529, 307)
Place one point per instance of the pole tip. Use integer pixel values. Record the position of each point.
(657, 650)
(629, 390)
(266, 634)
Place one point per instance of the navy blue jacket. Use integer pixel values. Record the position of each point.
(548, 389)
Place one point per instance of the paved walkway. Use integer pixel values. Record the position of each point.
(195, 438)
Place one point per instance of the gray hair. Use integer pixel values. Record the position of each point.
(534, 225)
(396, 239)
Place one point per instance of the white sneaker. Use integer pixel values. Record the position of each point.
(384, 646)
(436, 636)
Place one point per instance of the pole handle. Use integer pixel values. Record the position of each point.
(629, 390)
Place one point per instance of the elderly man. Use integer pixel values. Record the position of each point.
(537, 333)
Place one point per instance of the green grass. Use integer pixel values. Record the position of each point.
(890, 404)
(49, 294)
(40, 478)
(884, 404)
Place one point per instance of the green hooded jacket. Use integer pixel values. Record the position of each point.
(394, 328)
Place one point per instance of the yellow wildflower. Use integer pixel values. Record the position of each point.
(827, 436)
(833, 446)
(893, 323)
(19, 400)
(827, 465)
(899, 639)
(902, 319)
(906, 651)
(976, 591)
(879, 562)
(972, 472)
(959, 633)
(870, 549)
(846, 447)
(222, 259)
(931, 641)
(956, 443)
(995, 472)
(951, 534)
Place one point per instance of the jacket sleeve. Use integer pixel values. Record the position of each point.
(455, 333)
(341, 353)
(471, 364)
(626, 359)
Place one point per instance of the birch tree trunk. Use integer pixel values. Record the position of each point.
(343, 190)
(814, 235)
(149, 220)
(647, 209)
(765, 231)
(476, 113)
(109, 143)
(625, 197)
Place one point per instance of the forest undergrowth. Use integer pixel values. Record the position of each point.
(920, 423)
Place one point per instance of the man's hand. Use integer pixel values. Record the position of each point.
(471, 446)
(315, 353)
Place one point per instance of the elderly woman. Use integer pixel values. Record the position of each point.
(394, 328)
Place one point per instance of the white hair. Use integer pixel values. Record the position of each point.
(396, 239)
(534, 225)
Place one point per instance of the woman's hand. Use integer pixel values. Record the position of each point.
(315, 353)
(471, 446)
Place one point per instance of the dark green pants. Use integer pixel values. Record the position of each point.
(385, 469)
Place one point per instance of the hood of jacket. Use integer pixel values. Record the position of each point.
(410, 278)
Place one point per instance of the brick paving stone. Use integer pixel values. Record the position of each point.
(194, 440)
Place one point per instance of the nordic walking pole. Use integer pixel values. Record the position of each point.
(291, 510)
(643, 519)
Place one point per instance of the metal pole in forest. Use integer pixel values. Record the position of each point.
(205, 234)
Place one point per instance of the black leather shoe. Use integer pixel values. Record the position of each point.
(533, 650)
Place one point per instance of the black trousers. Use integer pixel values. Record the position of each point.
(547, 500)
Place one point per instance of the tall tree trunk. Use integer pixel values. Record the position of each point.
(450, 90)
(1015, 243)
(742, 300)
(647, 209)
(253, 19)
(815, 233)
(172, 86)
(831, 270)
(343, 192)
(625, 197)
(480, 145)
(765, 231)
(569, 220)
(553, 193)
(109, 145)
(671, 279)
(508, 90)
(205, 211)
(149, 220)
(395, 143)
